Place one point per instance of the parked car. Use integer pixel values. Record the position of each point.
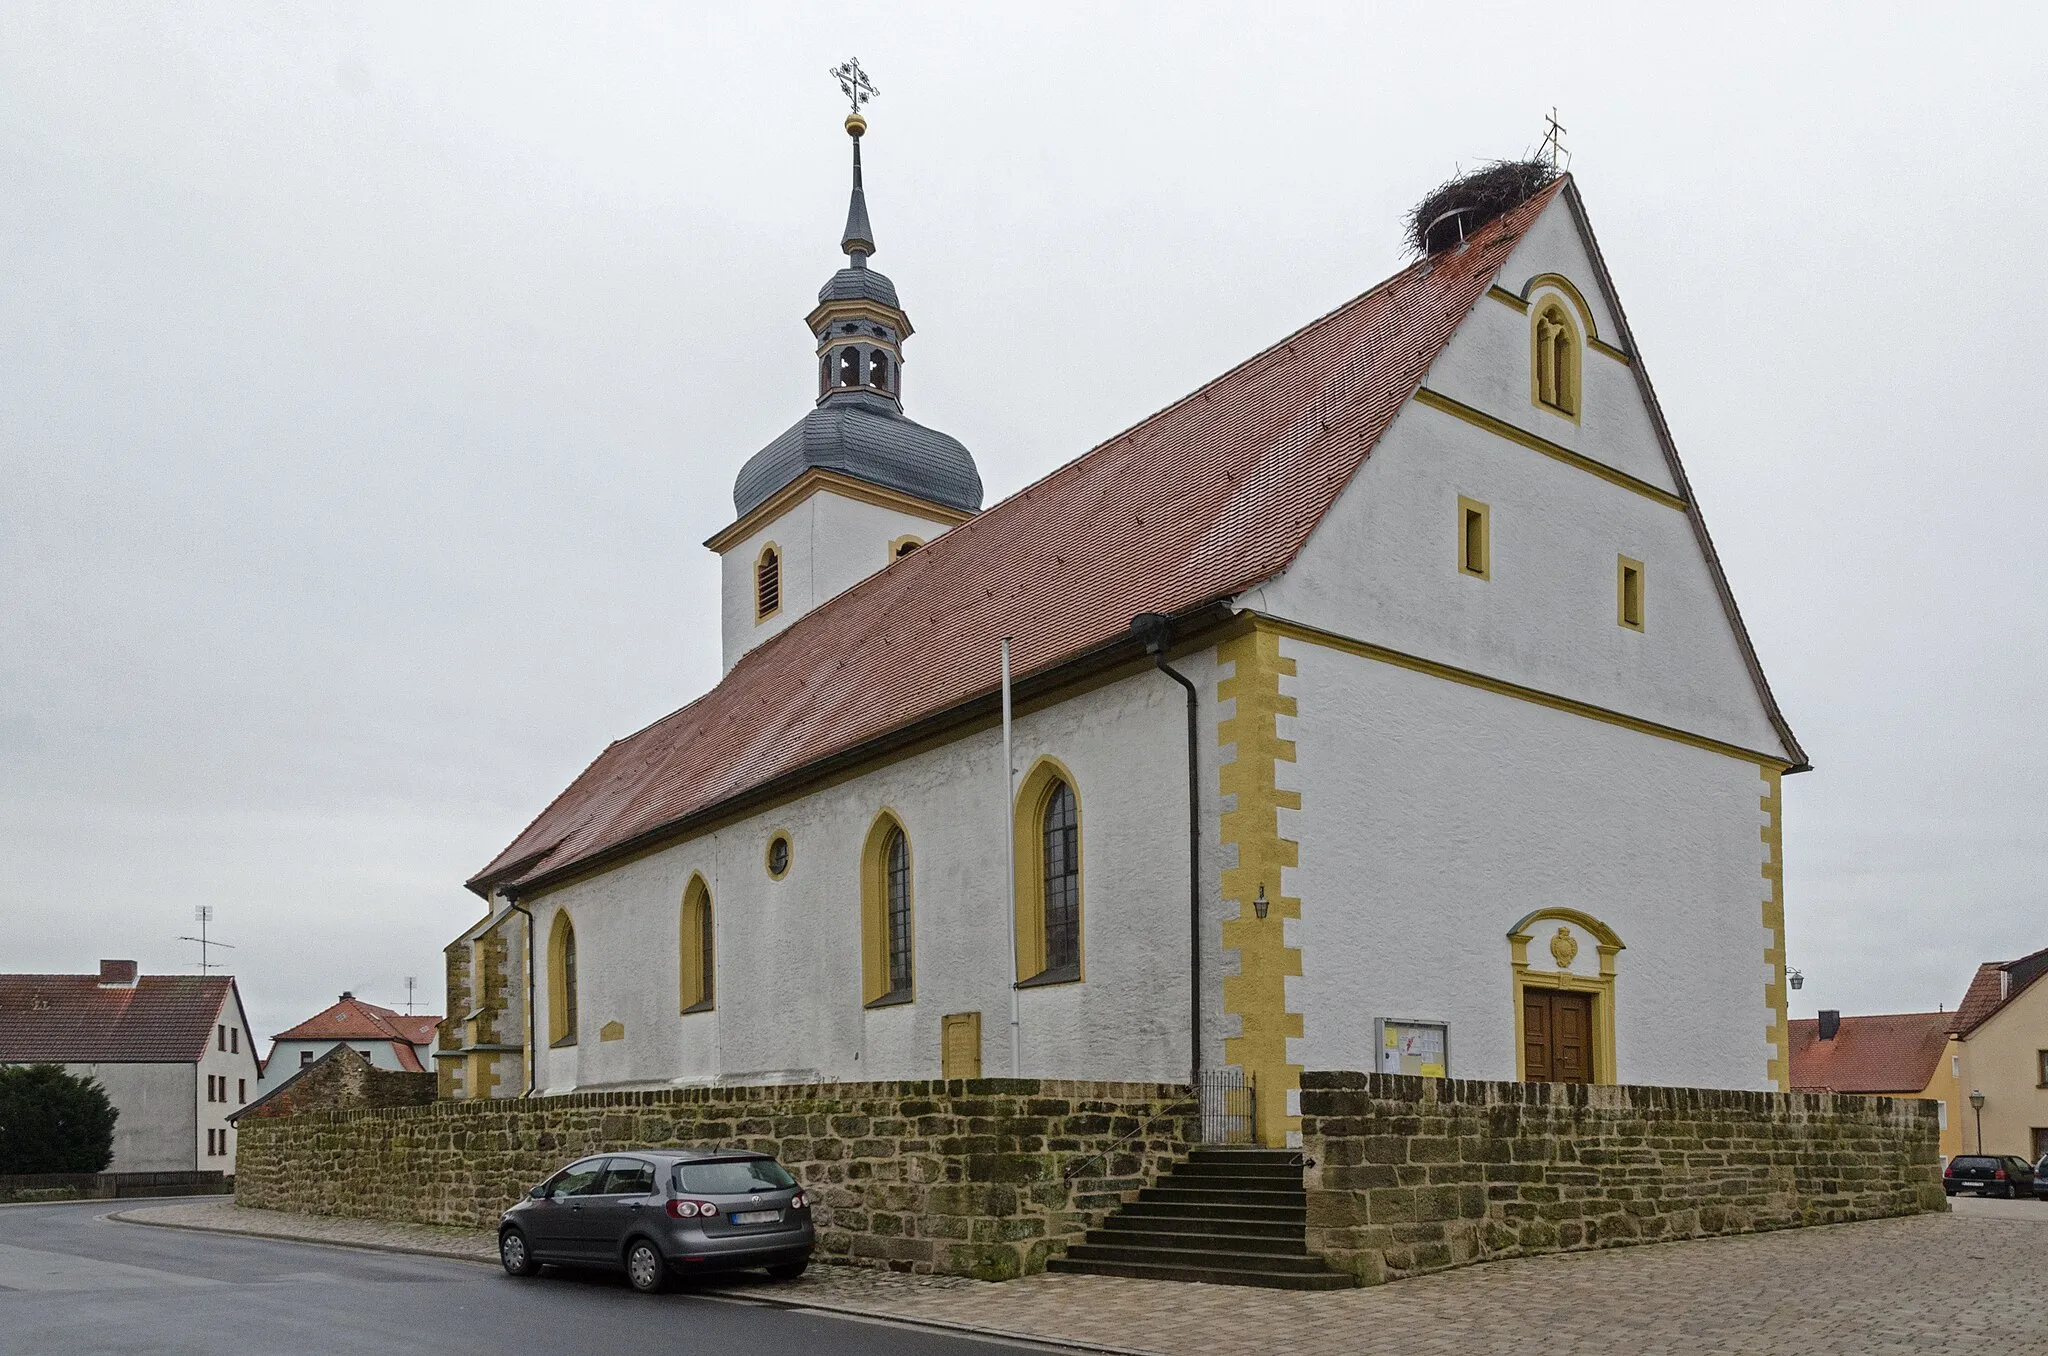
(2041, 1179)
(1989, 1175)
(655, 1213)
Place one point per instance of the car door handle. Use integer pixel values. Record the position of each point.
(634, 1205)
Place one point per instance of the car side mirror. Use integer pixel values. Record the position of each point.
(540, 1193)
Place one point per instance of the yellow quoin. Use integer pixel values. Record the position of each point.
(1252, 801)
(1772, 803)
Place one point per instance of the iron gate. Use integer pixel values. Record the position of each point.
(1228, 1109)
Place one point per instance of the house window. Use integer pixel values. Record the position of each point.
(778, 856)
(220, 1037)
(234, 1040)
(1062, 880)
(305, 1058)
(887, 969)
(2041, 1068)
(1628, 592)
(1555, 374)
(1475, 538)
(241, 1091)
(699, 956)
(767, 583)
(1049, 889)
(562, 982)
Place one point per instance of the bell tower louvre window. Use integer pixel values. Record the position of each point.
(767, 584)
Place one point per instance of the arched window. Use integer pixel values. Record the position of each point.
(902, 547)
(878, 370)
(698, 951)
(1556, 367)
(849, 367)
(888, 971)
(1061, 836)
(767, 583)
(1048, 861)
(562, 982)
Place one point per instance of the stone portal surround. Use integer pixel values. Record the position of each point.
(1409, 1175)
(968, 1177)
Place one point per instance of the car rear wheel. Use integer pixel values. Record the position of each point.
(788, 1271)
(645, 1270)
(515, 1255)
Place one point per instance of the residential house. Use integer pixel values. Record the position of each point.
(386, 1038)
(1998, 1047)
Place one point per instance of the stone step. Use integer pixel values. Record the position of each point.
(1285, 1231)
(1205, 1238)
(1247, 1165)
(1152, 1271)
(1296, 1198)
(1296, 1215)
(1240, 1172)
(1243, 1153)
(1224, 1259)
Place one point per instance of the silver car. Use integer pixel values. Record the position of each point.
(654, 1213)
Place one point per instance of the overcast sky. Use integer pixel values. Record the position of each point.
(370, 377)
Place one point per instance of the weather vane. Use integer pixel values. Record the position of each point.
(1553, 143)
(854, 82)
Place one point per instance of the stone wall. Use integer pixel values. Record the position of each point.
(1409, 1175)
(340, 1080)
(983, 1177)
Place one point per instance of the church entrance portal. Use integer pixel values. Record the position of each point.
(1557, 1036)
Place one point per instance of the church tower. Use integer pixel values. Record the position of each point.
(853, 485)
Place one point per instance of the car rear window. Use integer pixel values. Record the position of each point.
(1972, 1161)
(732, 1177)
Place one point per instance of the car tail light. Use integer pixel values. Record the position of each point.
(1998, 1175)
(691, 1209)
(796, 1202)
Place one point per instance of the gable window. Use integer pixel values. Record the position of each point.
(562, 982)
(888, 975)
(699, 958)
(1475, 538)
(767, 583)
(1555, 369)
(1628, 592)
(305, 1058)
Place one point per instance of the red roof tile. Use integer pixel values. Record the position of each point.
(1894, 1052)
(1199, 502)
(1995, 984)
(351, 1019)
(70, 1019)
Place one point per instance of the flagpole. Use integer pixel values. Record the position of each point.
(1010, 859)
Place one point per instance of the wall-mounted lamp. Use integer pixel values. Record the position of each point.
(1260, 905)
(1795, 979)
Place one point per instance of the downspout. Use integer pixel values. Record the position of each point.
(1153, 627)
(512, 902)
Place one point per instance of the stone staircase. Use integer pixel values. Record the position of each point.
(1225, 1216)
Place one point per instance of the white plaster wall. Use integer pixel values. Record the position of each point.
(154, 1132)
(236, 1063)
(828, 543)
(1436, 815)
(284, 1062)
(788, 998)
(1383, 567)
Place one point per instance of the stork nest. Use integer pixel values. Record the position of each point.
(1486, 193)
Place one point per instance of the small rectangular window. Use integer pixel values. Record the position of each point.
(1475, 545)
(234, 1040)
(2041, 1066)
(1628, 591)
(305, 1058)
(220, 1035)
(241, 1091)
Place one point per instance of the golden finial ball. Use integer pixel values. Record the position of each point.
(855, 124)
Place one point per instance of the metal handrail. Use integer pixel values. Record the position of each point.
(1073, 1169)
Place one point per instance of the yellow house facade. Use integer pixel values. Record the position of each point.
(1998, 1047)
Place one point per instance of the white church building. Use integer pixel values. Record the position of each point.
(1437, 746)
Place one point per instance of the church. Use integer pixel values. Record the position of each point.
(1380, 704)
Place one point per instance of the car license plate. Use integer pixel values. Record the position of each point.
(757, 1217)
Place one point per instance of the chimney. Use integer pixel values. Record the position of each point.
(117, 974)
(1830, 1023)
(347, 996)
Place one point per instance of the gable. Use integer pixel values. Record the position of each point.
(1567, 502)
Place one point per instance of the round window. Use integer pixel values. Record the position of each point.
(778, 856)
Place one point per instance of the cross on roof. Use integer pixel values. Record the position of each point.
(854, 82)
(1553, 143)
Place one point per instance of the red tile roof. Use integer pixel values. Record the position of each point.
(351, 1019)
(1194, 505)
(71, 1019)
(1894, 1052)
(1995, 984)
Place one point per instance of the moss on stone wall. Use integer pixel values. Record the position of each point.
(1409, 1175)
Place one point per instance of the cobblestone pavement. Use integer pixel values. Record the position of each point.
(1962, 1282)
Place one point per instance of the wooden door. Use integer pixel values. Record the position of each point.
(1557, 1036)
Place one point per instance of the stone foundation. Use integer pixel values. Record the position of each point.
(983, 1177)
(1410, 1175)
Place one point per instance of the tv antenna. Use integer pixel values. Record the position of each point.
(204, 913)
(1552, 148)
(410, 984)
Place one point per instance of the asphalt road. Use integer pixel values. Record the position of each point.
(73, 1282)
